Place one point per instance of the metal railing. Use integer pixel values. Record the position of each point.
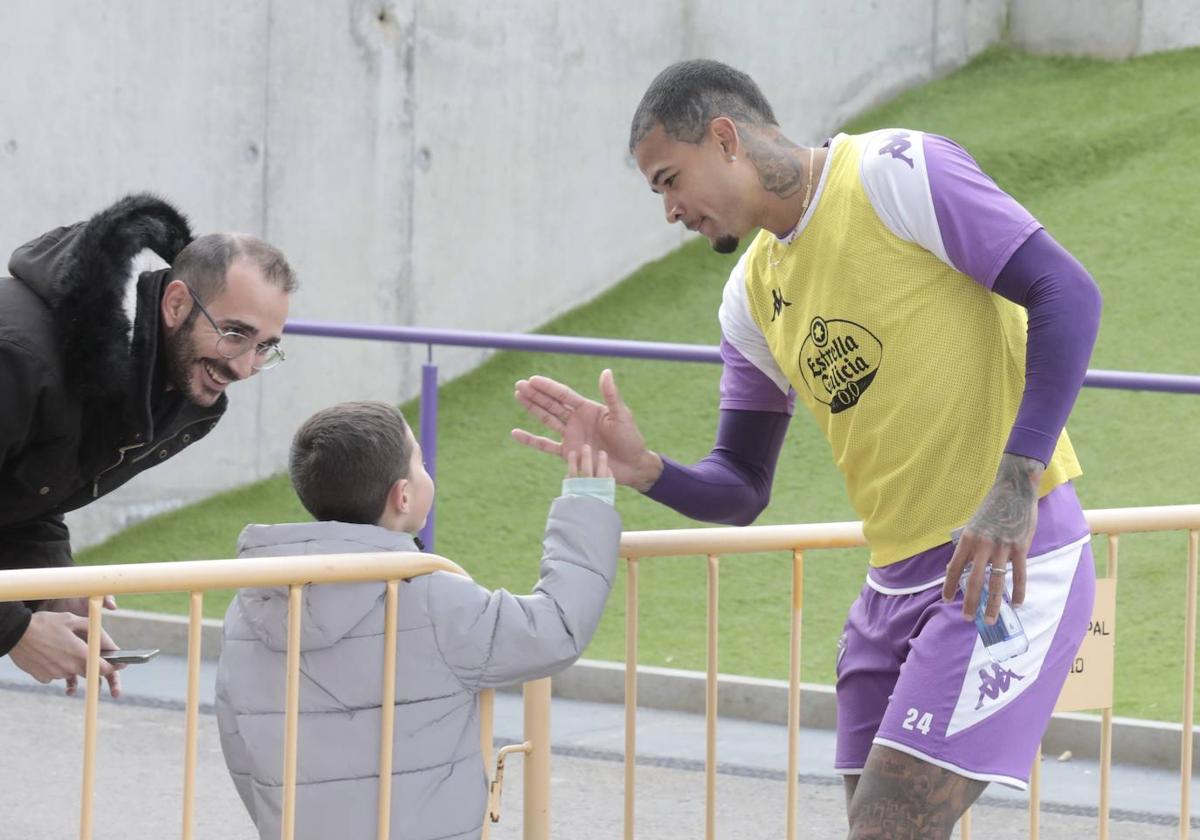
(616, 348)
(199, 576)
(713, 543)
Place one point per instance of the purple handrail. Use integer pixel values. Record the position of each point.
(511, 341)
(1127, 380)
(622, 348)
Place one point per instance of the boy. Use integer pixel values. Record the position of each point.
(357, 469)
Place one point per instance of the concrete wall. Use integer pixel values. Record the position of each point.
(452, 164)
(1169, 25)
(821, 63)
(525, 202)
(1108, 29)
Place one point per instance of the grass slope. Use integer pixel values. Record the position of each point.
(1100, 152)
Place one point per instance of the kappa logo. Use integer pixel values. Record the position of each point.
(898, 144)
(839, 360)
(777, 303)
(994, 684)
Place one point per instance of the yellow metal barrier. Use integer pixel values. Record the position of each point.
(199, 576)
(716, 542)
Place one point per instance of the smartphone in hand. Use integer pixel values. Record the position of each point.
(126, 657)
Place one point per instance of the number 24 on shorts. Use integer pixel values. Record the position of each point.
(920, 722)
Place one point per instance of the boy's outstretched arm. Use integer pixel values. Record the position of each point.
(497, 638)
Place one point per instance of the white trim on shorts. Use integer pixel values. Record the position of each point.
(906, 590)
(921, 587)
(1011, 781)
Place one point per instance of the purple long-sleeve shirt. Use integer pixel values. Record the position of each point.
(982, 232)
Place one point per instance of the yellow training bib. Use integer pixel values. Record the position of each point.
(912, 370)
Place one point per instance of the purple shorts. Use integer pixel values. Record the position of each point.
(914, 676)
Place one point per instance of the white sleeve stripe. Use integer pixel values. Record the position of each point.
(897, 185)
(740, 330)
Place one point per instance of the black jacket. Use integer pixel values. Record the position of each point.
(83, 401)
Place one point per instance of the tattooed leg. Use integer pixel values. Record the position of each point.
(900, 797)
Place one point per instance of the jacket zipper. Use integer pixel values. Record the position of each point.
(120, 460)
(124, 449)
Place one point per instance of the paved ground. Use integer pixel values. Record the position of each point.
(139, 778)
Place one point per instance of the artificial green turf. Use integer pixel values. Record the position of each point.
(1100, 152)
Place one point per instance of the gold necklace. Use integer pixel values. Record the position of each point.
(812, 154)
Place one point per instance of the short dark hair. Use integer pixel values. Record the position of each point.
(345, 459)
(204, 263)
(689, 95)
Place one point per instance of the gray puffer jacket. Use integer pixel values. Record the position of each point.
(455, 639)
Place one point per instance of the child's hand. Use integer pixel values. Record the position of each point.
(579, 464)
(583, 480)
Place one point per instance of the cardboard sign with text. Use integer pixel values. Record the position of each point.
(1090, 683)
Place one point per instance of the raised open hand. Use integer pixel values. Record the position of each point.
(578, 421)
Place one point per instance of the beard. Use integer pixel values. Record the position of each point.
(182, 363)
(725, 244)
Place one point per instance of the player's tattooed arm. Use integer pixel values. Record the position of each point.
(997, 537)
(1008, 514)
(776, 160)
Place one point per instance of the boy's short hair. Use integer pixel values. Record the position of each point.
(345, 459)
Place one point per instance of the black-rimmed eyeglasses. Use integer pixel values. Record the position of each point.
(231, 344)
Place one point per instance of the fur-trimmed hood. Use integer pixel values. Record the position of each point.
(87, 274)
(85, 406)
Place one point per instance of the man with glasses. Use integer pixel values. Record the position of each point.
(113, 361)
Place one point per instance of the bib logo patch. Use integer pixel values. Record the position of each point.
(839, 360)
